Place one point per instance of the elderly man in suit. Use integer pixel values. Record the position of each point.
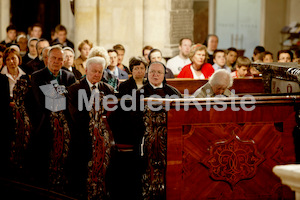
(42, 139)
(81, 140)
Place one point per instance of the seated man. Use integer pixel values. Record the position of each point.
(178, 62)
(217, 84)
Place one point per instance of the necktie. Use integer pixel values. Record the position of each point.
(93, 87)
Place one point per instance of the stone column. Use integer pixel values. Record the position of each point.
(85, 22)
(166, 22)
(67, 18)
(122, 23)
(4, 17)
(289, 175)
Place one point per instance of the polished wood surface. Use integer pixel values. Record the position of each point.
(240, 85)
(230, 154)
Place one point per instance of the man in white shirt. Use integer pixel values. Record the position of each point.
(178, 62)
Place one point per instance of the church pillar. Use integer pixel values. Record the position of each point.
(4, 17)
(166, 22)
(86, 18)
(67, 19)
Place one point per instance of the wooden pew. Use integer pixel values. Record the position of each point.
(240, 85)
(212, 154)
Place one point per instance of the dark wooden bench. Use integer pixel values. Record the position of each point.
(240, 85)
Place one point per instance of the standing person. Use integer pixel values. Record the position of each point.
(178, 62)
(199, 68)
(11, 36)
(43, 137)
(121, 51)
(61, 33)
(84, 48)
(82, 149)
(211, 43)
(220, 60)
(155, 55)
(69, 62)
(231, 56)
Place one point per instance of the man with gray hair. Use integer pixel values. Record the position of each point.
(69, 56)
(43, 137)
(80, 134)
(217, 84)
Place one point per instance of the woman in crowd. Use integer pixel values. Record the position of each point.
(84, 48)
(12, 60)
(137, 66)
(156, 82)
(199, 68)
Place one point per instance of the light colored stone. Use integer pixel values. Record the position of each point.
(4, 17)
(289, 175)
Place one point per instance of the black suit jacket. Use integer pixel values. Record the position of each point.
(81, 141)
(79, 116)
(43, 77)
(33, 65)
(76, 73)
(127, 86)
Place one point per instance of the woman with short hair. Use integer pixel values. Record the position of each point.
(199, 68)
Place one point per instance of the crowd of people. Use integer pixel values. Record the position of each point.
(35, 61)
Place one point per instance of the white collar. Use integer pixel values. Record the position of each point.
(30, 56)
(91, 85)
(155, 87)
(5, 71)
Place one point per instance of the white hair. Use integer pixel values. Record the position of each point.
(221, 77)
(95, 60)
(100, 52)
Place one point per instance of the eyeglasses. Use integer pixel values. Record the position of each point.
(156, 72)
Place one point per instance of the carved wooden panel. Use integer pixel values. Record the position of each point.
(23, 127)
(206, 160)
(155, 149)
